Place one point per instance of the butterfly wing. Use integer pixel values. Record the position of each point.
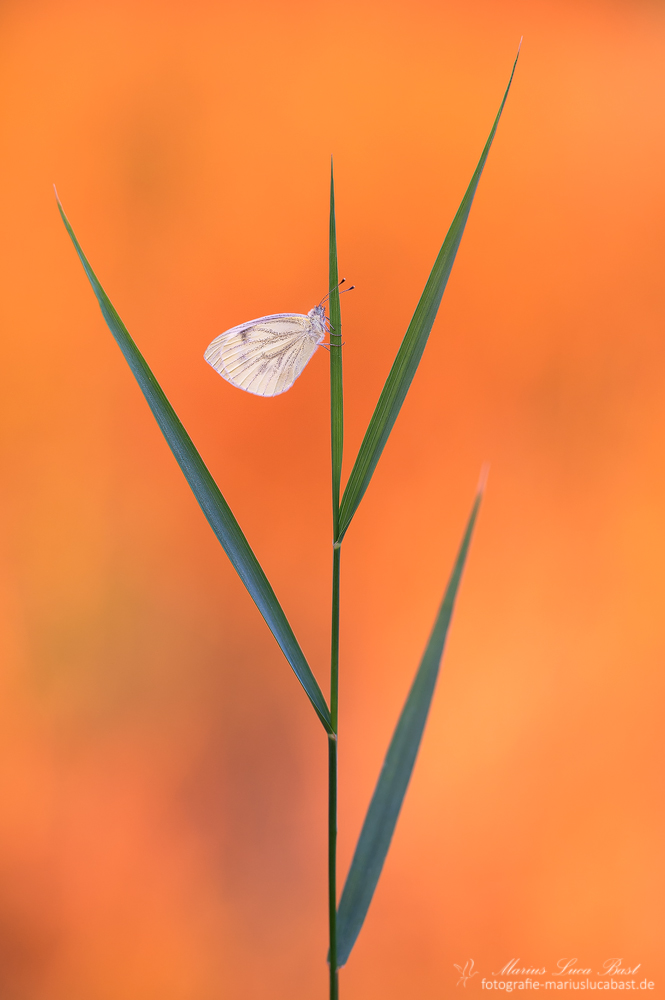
(265, 356)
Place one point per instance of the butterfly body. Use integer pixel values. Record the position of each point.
(265, 356)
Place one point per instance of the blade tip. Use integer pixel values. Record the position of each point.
(482, 480)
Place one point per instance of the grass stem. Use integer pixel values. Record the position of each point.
(332, 863)
(334, 640)
(336, 448)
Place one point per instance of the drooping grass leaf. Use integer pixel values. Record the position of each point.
(206, 491)
(336, 391)
(411, 349)
(379, 825)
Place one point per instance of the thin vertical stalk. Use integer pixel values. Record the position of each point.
(334, 642)
(332, 863)
(332, 781)
(336, 448)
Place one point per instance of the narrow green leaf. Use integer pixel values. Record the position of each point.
(336, 391)
(336, 438)
(206, 491)
(386, 803)
(408, 357)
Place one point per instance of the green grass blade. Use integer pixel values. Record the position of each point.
(206, 491)
(336, 446)
(386, 803)
(336, 391)
(336, 434)
(411, 349)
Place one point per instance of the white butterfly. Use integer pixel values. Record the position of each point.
(266, 356)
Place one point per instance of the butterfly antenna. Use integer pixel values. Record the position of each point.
(332, 290)
(347, 289)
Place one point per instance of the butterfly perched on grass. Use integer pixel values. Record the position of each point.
(265, 356)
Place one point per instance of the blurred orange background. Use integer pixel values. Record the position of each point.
(162, 775)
